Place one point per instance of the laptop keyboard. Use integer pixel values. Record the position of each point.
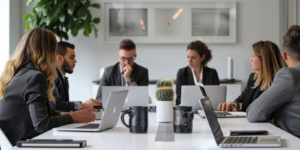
(241, 140)
(222, 114)
(89, 126)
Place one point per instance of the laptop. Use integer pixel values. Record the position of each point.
(220, 96)
(4, 142)
(109, 119)
(220, 114)
(235, 141)
(137, 95)
(190, 95)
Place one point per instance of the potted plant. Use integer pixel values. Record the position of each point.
(165, 101)
(62, 16)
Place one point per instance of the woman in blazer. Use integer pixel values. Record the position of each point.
(196, 72)
(26, 87)
(266, 60)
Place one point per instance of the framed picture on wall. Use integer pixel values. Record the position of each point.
(210, 22)
(216, 22)
(128, 22)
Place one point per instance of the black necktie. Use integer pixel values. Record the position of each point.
(66, 89)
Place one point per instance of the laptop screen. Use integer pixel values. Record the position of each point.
(212, 119)
(202, 91)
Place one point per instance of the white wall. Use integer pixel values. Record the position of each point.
(256, 20)
(10, 29)
(4, 36)
(14, 24)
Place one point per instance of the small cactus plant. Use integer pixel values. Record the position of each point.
(163, 83)
(164, 91)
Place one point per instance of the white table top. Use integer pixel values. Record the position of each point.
(119, 137)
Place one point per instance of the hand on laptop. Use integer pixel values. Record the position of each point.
(226, 107)
(83, 116)
(89, 103)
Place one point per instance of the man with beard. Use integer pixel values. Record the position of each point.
(65, 56)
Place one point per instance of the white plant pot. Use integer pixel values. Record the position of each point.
(164, 111)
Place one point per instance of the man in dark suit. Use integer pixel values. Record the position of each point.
(65, 56)
(125, 72)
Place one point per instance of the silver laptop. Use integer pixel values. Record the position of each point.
(137, 95)
(215, 105)
(235, 141)
(109, 119)
(190, 95)
(220, 114)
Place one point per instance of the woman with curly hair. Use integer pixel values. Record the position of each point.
(196, 72)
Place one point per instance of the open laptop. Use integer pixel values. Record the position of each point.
(137, 95)
(4, 142)
(235, 141)
(109, 119)
(190, 95)
(219, 114)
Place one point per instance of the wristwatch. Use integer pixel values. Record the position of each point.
(128, 81)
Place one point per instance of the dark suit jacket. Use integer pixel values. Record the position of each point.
(112, 77)
(249, 94)
(25, 111)
(185, 77)
(61, 94)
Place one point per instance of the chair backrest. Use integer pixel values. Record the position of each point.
(4, 142)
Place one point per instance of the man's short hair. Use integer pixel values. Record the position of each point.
(291, 42)
(62, 48)
(127, 45)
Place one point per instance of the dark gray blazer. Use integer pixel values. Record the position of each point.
(25, 111)
(281, 100)
(185, 77)
(61, 94)
(112, 77)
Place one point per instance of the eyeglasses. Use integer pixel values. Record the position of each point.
(128, 59)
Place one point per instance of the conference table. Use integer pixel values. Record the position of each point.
(119, 137)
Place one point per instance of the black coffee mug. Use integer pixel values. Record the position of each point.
(138, 119)
(183, 119)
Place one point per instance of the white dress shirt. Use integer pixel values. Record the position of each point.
(201, 77)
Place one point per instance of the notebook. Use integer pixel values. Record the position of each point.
(51, 143)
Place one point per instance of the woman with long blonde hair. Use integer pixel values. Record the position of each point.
(26, 87)
(266, 60)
